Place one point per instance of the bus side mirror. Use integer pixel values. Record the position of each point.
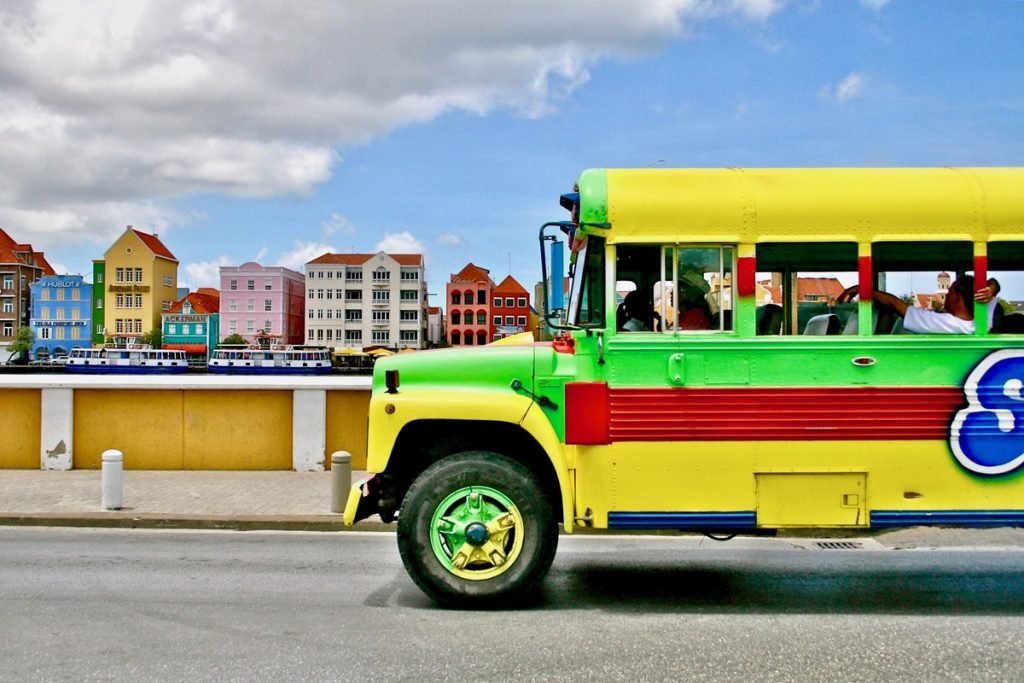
(555, 288)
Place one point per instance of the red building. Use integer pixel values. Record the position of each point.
(20, 266)
(480, 311)
(510, 309)
(468, 294)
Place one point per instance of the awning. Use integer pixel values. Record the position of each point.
(187, 348)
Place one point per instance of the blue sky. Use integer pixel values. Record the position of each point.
(242, 131)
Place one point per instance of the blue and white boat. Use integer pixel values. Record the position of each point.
(129, 359)
(270, 360)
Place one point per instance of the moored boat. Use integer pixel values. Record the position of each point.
(270, 360)
(129, 359)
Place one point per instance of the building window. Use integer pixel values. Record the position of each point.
(329, 293)
(469, 298)
(509, 320)
(267, 285)
(268, 304)
(381, 296)
(353, 316)
(381, 275)
(521, 302)
(268, 325)
(521, 321)
(309, 334)
(481, 296)
(497, 320)
(381, 336)
(233, 326)
(232, 305)
(409, 316)
(481, 318)
(457, 298)
(250, 285)
(497, 302)
(172, 329)
(409, 335)
(99, 304)
(410, 295)
(138, 325)
(166, 305)
(250, 326)
(46, 294)
(119, 326)
(99, 278)
(233, 285)
(410, 275)
(250, 305)
(44, 332)
(381, 316)
(167, 281)
(119, 275)
(119, 301)
(8, 330)
(76, 294)
(354, 275)
(354, 336)
(138, 302)
(9, 307)
(456, 318)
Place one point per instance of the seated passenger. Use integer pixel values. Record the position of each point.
(958, 316)
(694, 311)
(639, 314)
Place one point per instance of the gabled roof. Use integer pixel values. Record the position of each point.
(360, 259)
(22, 254)
(154, 244)
(472, 273)
(510, 286)
(203, 302)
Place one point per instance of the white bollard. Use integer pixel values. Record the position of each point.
(113, 468)
(341, 479)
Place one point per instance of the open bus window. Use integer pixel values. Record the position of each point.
(638, 287)
(1006, 265)
(797, 285)
(920, 275)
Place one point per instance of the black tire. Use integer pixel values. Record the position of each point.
(527, 548)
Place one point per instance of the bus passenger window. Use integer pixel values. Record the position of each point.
(702, 284)
(638, 288)
(1006, 266)
(797, 288)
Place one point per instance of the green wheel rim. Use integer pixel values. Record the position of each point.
(476, 533)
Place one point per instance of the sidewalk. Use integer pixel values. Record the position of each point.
(176, 499)
(200, 499)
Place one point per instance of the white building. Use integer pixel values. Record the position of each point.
(360, 300)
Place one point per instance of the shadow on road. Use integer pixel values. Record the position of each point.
(925, 583)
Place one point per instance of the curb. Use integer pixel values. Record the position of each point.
(129, 520)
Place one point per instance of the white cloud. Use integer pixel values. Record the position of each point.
(206, 273)
(400, 243)
(847, 89)
(129, 104)
(449, 239)
(874, 4)
(302, 253)
(337, 223)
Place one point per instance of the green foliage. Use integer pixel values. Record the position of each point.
(23, 340)
(234, 339)
(154, 338)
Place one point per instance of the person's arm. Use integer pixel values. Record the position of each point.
(885, 298)
(986, 294)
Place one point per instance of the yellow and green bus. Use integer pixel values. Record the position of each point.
(740, 351)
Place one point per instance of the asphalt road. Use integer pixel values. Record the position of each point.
(132, 605)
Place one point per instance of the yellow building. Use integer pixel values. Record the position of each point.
(141, 283)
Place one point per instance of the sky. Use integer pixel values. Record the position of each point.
(246, 130)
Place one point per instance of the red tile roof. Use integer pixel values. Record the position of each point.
(22, 254)
(360, 259)
(201, 302)
(154, 244)
(824, 289)
(510, 286)
(472, 273)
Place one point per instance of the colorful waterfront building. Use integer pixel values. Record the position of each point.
(262, 301)
(61, 315)
(20, 266)
(510, 309)
(193, 325)
(367, 300)
(136, 282)
(468, 294)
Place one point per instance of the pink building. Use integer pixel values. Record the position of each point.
(262, 300)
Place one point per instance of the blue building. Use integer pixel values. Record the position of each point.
(61, 315)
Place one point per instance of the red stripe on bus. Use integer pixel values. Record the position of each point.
(865, 284)
(773, 414)
(980, 271)
(746, 276)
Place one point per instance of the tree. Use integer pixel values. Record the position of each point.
(233, 339)
(22, 344)
(153, 338)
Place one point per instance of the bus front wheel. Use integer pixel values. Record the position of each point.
(476, 530)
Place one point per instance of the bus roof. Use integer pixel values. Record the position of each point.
(750, 205)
